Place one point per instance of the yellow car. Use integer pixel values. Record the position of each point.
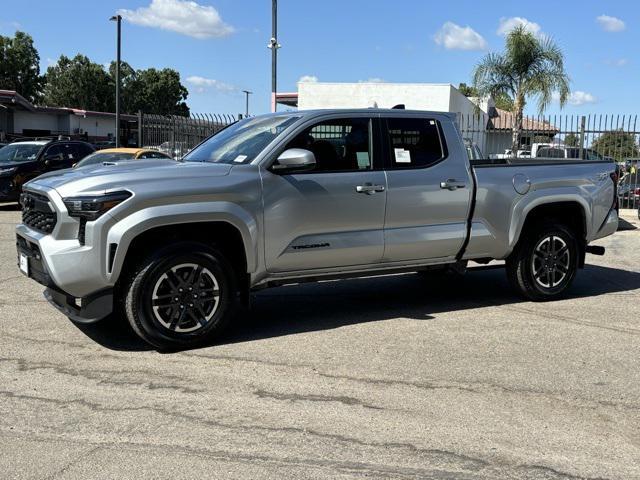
(120, 154)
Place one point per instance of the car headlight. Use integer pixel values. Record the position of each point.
(93, 207)
(8, 171)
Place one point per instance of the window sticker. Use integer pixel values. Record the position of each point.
(240, 158)
(363, 159)
(402, 155)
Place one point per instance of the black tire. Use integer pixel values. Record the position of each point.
(185, 323)
(540, 273)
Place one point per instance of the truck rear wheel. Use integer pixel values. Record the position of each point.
(182, 296)
(544, 263)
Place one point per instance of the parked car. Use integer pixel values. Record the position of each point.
(175, 150)
(302, 196)
(105, 144)
(22, 161)
(553, 151)
(629, 191)
(110, 155)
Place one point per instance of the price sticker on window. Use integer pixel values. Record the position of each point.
(402, 155)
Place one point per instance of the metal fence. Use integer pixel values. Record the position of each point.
(587, 137)
(176, 135)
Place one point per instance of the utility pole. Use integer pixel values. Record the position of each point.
(274, 46)
(118, 20)
(246, 109)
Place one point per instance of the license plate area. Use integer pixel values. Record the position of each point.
(23, 262)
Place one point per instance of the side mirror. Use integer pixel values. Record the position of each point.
(294, 159)
(59, 157)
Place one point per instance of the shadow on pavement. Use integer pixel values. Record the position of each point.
(114, 333)
(624, 225)
(311, 307)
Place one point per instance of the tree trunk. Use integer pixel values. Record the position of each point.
(516, 132)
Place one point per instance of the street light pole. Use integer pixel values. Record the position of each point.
(274, 46)
(118, 20)
(246, 109)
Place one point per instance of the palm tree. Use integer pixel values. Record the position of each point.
(529, 66)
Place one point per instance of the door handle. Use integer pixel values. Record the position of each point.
(452, 184)
(369, 188)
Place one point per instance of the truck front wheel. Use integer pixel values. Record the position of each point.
(181, 296)
(544, 263)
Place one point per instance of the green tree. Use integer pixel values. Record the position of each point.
(617, 144)
(502, 100)
(529, 67)
(20, 66)
(79, 83)
(467, 90)
(571, 140)
(151, 90)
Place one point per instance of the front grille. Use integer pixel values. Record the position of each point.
(37, 212)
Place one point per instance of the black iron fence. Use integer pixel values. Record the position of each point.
(176, 135)
(587, 137)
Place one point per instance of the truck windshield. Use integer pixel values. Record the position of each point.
(242, 142)
(19, 152)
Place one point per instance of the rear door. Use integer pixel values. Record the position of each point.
(429, 188)
(331, 216)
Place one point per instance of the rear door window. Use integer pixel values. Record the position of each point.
(415, 142)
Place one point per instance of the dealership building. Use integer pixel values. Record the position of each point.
(20, 118)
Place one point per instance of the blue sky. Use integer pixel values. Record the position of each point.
(219, 46)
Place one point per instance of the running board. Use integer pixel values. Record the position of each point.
(595, 250)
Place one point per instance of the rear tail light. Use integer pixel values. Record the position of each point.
(637, 191)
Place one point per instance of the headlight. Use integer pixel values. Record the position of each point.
(7, 171)
(93, 207)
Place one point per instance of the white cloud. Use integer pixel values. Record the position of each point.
(581, 98)
(308, 79)
(508, 24)
(181, 16)
(373, 80)
(578, 98)
(617, 62)
(202, 84)
(455, 37)
(610, 24)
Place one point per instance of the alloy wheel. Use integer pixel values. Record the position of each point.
(185, 298)
(550, 262)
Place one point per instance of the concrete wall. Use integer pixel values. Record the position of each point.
(24, 120)
(95, 126)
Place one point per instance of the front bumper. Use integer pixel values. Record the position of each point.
(87, 309)
(84, 310)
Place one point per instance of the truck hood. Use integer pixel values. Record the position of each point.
(96, 179)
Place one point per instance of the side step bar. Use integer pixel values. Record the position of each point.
(595, 250)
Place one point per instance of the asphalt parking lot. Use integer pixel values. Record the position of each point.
(387, 377)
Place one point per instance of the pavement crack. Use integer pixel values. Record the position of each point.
(294, 397)
(98, 376)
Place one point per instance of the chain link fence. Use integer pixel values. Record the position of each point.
(583, 137)
(176, 135)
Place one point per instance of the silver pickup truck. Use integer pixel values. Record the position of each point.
(302, 196)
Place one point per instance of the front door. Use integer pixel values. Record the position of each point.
(333, 215)
(429, 189)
